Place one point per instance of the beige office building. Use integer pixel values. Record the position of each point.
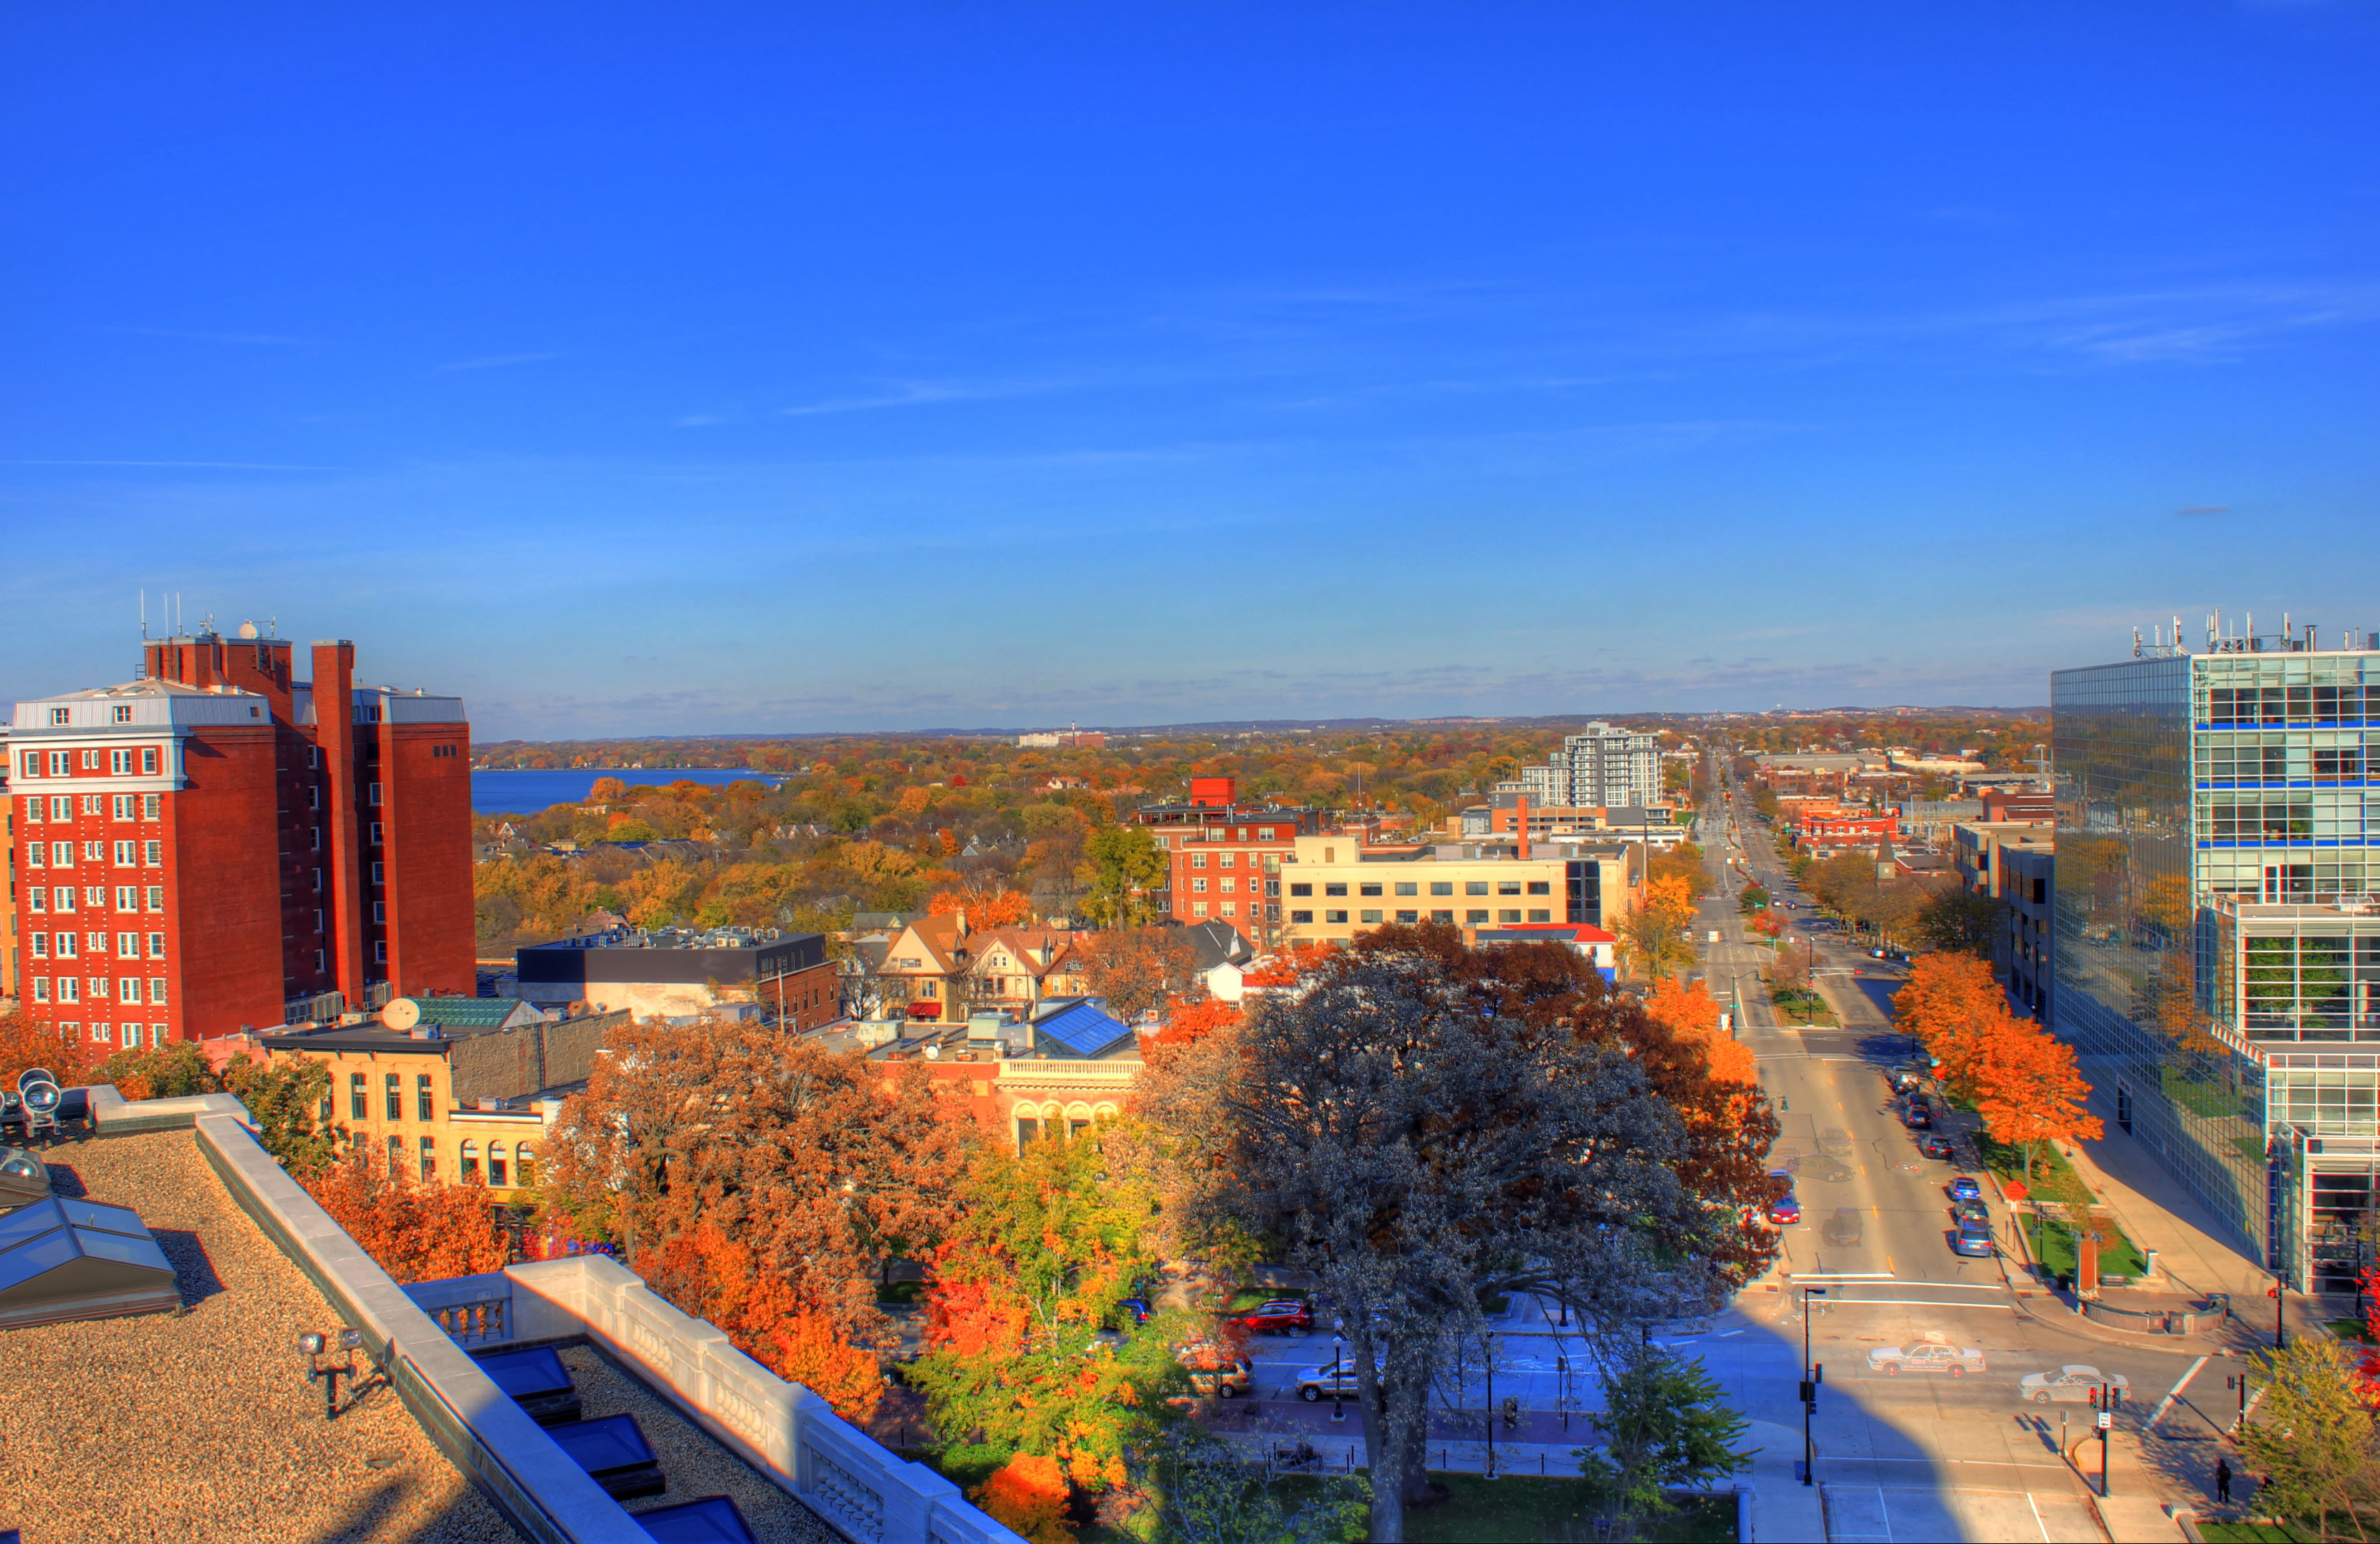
(1334, 887)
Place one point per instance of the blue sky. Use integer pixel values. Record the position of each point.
(678, 369)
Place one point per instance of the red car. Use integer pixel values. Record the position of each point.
(1276, 1319)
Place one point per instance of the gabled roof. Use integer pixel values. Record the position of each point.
(931, 939)
(1024, 945)
(1215, 943)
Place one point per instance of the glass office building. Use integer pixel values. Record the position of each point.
(2217, 938)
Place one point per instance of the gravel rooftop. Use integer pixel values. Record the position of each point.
(203, 1425)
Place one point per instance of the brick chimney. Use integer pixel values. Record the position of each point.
(1521, 827)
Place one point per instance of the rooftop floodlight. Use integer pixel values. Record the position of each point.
(350, 1339)
(309, 1343)
(31, 1076)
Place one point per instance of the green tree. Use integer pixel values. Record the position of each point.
(284, 1096)
(1020, 1361)
(1120, 866)
(177, 1071)
(1663, 1424)
(1965, 920)
(1208, 1492)
(2313, 1437)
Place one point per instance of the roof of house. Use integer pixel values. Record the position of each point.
(929, 940)
(1217, 942)
(465, 1013)
(1083, 1028)
(226, 1414)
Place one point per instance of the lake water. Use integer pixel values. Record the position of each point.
(530, 793)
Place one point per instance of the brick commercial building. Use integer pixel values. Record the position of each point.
(1224, 857)
(217, 846)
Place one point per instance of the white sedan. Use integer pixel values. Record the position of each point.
(2073, 1383)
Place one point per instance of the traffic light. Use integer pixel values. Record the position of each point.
(2094, 1399)
(2115, 1396)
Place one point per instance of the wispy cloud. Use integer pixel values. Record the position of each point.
(494, 361)
(920, 394)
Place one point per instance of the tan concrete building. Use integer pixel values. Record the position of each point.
(1333, 888)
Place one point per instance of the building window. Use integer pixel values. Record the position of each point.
(156, 990)
(380, 912)
(1541, 887)
(1305, 917)
(422, 1107)
(1509, 914)
(124, 855)
(1329, 889)
(61, 717)
(429, 1159)
(524, 1161)
(1338, 916)
(152, 855)
(1027, 1131)
(157, 946)
(1368, 915)
(396, 1156)
(497, 1172)
(123, 806)
(127, 897)
(149, 767)
(319, 966)
(1475, 915)
(378, 873)
(127, 946)
(1371, 888)
(1540, 914)
(1197, 861)
(374, 800)
(1197, 908)
(1409, 916)
(357, 1109)
(1199, 885)
(119, 762)
(380, 951)
(41, 946)
(470, 1161)
(61, 762)
(1474, 887)
(1507, 887)
(1231, 908)
(63, 897)
(1441, 916)
(156, 897)
(1297, 889)
(1407, 887)
(375, 834)
(62, 855)
(69, 944)
(40, 988)
(396, 1094)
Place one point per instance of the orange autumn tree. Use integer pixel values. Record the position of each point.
(1191, 1022)
(1689, 1009)
(1954, 1007)
(987, 906)
(2027, 1088)
(762, 1180)
(1030, 1494)
(416, 1232)
(26, 1042)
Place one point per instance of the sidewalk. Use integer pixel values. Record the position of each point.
(2155, 1213)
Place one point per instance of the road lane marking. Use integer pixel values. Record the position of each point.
(2036, 1516)
(2175, 1392)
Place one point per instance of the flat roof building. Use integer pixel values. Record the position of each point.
(677, 971)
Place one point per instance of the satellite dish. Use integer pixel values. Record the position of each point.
(401, 1013)
(249, 629)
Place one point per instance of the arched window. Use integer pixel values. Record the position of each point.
(471, 1161)
(525, 1166)
(496, 1172)
(396, 1156)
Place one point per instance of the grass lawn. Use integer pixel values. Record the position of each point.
(1802, 1006)
(2053, 1179)
(2350, 1329)
(2054, 1248)
(2296, 1531)
(1526, 1510)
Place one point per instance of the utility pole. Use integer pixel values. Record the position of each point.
(1487, 1350)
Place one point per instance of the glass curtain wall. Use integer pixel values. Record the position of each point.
(2131, 953)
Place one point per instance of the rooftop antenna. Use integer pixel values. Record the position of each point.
(144, 616)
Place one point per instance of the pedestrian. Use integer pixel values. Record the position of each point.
(2223, 1481)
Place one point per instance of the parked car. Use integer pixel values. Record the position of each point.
(1973, 1238)
(1282, 1318)
(1925, 1357)
(1935, 1145)
(1973, 1211)
(2073, 1383)
(1964, 1189)
(1918, 1115)
(1786, 1210)
(1231, 1380)
(1137, 1307)
(1316, 1383)
(1843, 1227)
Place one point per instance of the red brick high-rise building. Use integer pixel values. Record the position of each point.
(218, 846)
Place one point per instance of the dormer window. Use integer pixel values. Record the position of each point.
(61, 717)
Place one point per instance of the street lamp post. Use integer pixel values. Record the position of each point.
(1338, 1351)
(1811, 1376)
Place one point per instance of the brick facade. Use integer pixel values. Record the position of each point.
(203, 839)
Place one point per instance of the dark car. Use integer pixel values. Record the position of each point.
(1843, 1227)
(1973, 1238)
(1295, 1320)
(1935, 1145)
(1973, 1211)
(1918, 1115)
